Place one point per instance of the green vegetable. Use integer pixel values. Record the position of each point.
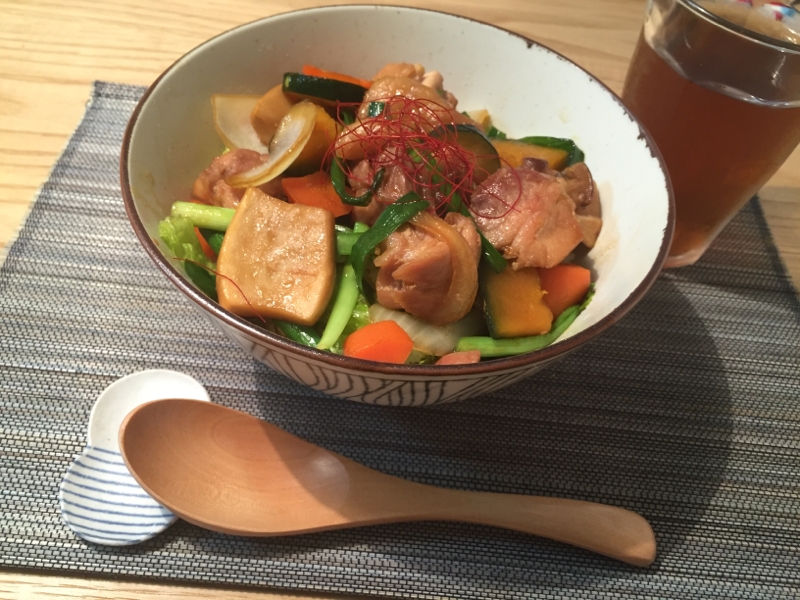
(331, 91)
(203, 215)
(214, 238)
(495, 134)
(301, 334)
(389, 220)
(347, 116)
(375, 109)
(178, 235)
(202, 279)
(345, 240)
(489, 253)
(339, 184)
(574, 154)
(472, 139)
(343, 304)
(492, 348)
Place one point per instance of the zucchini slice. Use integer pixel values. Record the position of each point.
(473, 140)
(320, 90)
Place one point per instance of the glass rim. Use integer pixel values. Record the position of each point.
(740, 29)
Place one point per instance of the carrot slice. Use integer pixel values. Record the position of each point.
(315, 190)
(317, 72)
(384, 341)
(565, 285)
(207, 250)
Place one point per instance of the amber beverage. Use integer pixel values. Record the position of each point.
(722, 108)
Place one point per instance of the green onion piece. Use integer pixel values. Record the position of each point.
(389, 220)
(339, 182)
(360, 227)
(214, 238)
(343, 305)
(301, 334)
(203, 215)
(574, 154)
(375, 109)
(489, 253)
(493, 348)
(495, 134)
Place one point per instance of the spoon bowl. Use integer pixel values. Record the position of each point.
(233, 473)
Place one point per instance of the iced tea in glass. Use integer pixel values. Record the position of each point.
(717, 86)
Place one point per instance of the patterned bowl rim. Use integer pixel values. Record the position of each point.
(305, 353)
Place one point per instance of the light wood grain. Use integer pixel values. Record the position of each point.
(190, 455)
(50, 52)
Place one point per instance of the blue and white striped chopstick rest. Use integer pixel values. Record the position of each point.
(103, 503)
(100, 500)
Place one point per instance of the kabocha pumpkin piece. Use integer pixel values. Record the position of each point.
(277, 260)
(322, 135)
(268, 112)
(514, 152)
(514, 303)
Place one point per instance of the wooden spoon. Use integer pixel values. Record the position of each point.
(230, 472)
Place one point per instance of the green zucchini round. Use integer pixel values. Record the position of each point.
(472, 139)
(321, 90)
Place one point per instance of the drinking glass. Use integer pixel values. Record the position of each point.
(717, 86)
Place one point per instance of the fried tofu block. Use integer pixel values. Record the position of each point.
(277, 260)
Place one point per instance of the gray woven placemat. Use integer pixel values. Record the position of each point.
(687, 411)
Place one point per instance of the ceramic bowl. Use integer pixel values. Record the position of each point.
(528, 89)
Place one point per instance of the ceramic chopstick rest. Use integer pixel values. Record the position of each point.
(100, 500)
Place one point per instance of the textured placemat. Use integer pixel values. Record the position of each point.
(687, 411)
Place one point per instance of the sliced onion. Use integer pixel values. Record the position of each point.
(427, 338)
(232, 121)
(291, 137)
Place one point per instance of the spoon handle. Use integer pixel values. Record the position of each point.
(608, 530)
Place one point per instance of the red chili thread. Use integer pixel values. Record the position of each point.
(403, 128)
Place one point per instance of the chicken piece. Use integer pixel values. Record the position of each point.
(580, 186)
(427, 269)
(409, 103)
(415, 71)
(395, 185)
(277, 260)
(434, 80)
(210, 186)
(528, 216)
(466, 228)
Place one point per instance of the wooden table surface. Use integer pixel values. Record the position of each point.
(50, 52)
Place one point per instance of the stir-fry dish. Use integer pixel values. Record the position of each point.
(375, 219)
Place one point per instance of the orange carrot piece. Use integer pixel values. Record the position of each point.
(384, 341)
(207, 250)
(565, 285)
(315, 190)
(317, 72)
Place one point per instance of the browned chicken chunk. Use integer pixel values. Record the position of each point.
(528, 216)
